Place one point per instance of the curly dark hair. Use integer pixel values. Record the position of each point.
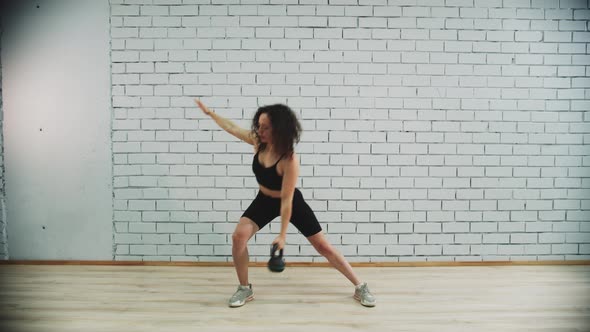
(286, 129)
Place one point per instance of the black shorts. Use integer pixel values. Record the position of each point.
(265, 208)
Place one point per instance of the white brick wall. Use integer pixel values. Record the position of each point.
(3, 236)
(433, 130)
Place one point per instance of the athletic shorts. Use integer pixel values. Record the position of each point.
(265, 208)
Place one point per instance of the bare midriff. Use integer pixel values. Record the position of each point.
(271, 193)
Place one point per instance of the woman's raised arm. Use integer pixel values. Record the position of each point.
(227, 125)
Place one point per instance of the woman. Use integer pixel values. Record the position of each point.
(275, 131)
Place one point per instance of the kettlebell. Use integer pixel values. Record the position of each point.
(276, 263)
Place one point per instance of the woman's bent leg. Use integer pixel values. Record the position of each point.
(245, 229)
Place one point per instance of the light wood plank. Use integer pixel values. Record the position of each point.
(298, 264)
(164, 298)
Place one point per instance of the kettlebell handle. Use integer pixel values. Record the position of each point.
(273, 250)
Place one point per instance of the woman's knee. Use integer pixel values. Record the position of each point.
(243, 232)
(324, 248)
(239, 236)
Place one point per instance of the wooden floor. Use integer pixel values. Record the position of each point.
(316, 299)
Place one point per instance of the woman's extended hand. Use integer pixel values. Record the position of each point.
(204, 108)
(280, 241)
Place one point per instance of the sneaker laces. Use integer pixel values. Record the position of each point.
(241, 289)
(364, 290)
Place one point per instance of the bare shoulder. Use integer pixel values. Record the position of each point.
(251, 139)
(293, 158)
(290, 162)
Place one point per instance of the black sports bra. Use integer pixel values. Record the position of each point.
(267, 176)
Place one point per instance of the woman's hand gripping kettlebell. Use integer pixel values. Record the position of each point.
(276, 263)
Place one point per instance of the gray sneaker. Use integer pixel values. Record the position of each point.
(362, 294)
(241, 296)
